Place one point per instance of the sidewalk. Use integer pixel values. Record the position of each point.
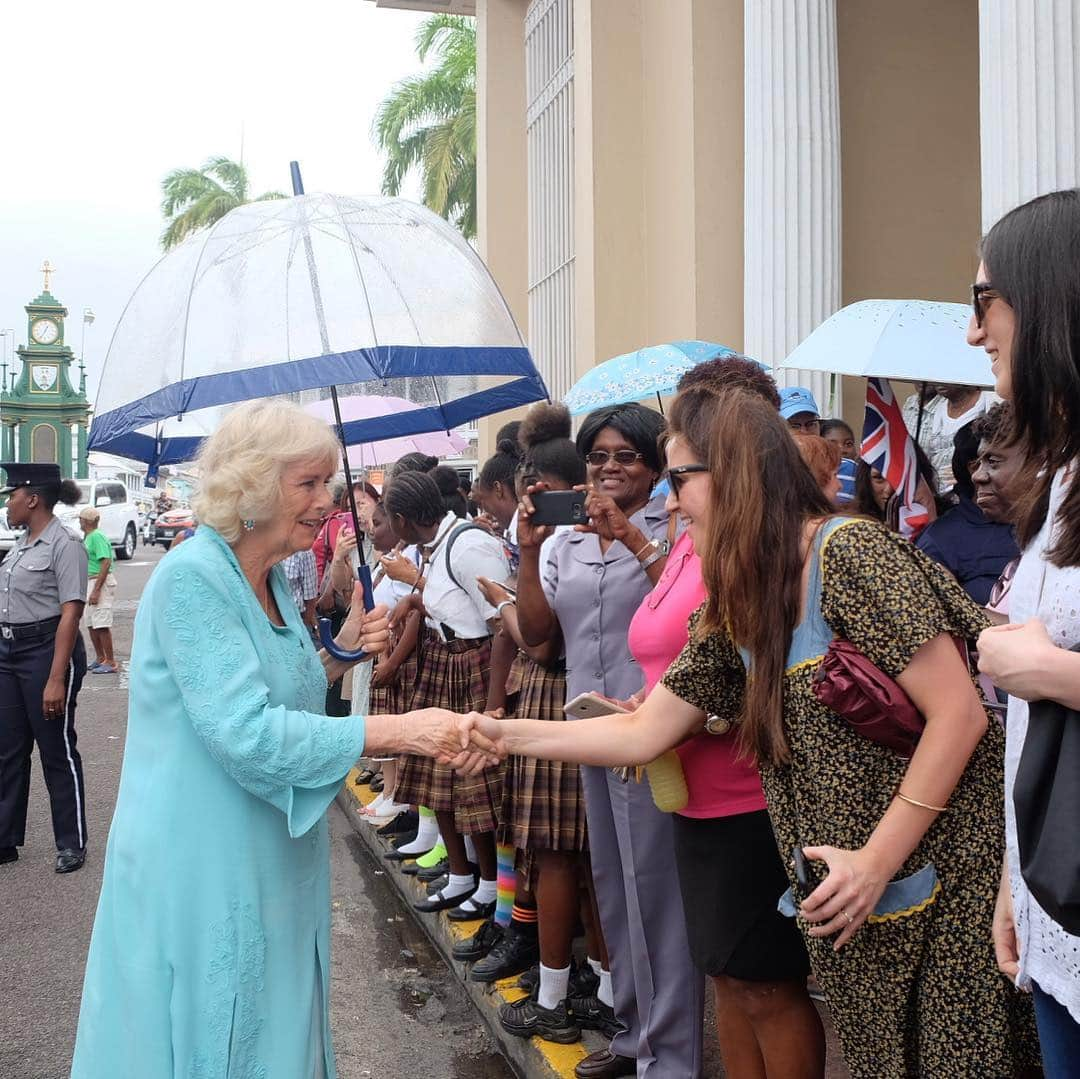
(531, 1057)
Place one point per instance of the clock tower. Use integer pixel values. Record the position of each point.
(43, 416)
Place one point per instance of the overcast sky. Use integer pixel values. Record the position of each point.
(102, 100)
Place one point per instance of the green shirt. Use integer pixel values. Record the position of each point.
(97, 548)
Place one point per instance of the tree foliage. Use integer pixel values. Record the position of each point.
(194, 199)
(428, 122)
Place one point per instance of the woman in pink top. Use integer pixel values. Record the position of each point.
(730, 872)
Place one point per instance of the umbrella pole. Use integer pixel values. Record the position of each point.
(659, 403)
(918, 418)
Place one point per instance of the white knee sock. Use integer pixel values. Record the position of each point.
(426, 834)
(604, 993)
(553, 986)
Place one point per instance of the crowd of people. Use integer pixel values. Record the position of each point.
(616, 689)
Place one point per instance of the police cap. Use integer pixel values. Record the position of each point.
(27, 474)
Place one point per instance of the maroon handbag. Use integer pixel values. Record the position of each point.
(867, 699)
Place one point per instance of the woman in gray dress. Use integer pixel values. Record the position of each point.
(592, 584)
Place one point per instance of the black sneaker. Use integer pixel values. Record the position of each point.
(584, 981)
(479, 944)
(530, 979)
(526, 1018)
(514, 953)
(590, 1013)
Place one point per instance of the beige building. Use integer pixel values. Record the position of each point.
(736, 170)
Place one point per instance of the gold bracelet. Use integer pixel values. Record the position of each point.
(922, 805)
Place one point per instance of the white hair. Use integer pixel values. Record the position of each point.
(241, 464)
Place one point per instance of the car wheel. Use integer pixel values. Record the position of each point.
(127, 549)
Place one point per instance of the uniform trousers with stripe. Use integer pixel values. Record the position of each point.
(24, 670)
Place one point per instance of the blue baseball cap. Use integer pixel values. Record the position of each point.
(796, 399)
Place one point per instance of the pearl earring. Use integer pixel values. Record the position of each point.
(249, 525)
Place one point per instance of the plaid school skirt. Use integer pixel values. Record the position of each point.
(452, 675)
(543, 804)
(396, 698)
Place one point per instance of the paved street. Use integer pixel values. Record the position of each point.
(396, 1011)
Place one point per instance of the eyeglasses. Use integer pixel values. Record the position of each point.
(1002, 585)
(981, 295)
(599, 458)
(677, 476)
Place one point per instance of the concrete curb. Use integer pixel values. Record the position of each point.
(531, 1058)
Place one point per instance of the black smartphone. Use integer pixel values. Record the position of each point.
(559, 508)
(802, 870)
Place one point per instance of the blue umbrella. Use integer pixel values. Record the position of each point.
(914, 340)
(637, 375)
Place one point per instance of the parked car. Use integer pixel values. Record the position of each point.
(170, 522)
(119, 514)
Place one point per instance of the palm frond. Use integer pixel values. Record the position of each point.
(269, 196)
(438, 31)
(232, 174)
(182, 187)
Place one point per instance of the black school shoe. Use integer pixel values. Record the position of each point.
(479, 944)
(8, 854)
(590, 1013)
(402, 824)
(434, 903)
(526, 1018)
(515, 953)
(433, 872)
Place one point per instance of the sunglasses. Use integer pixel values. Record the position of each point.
(1003, 583)
(981, 295)
(677, 476)
(599, 458)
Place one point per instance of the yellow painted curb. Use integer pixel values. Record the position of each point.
(559, 1059)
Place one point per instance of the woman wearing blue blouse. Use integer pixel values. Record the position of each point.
(210, 951)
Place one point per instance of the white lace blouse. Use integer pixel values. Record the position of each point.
(1048, 955)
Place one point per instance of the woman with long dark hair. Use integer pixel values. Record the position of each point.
(900, 854)
(1027, 317)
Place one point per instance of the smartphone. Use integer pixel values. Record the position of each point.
(559, 508)
(591, 705)
(802, 870)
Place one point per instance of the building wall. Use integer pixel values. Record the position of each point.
(909, 120)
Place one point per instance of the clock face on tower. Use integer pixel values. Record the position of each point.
(44, 331)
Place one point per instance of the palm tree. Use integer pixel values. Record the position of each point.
(428, 122)
(196, 198)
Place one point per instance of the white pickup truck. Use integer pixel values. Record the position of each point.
(119, 515)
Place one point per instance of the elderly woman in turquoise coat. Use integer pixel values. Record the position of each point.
(210, 954)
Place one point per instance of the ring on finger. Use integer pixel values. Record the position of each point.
(850, 920)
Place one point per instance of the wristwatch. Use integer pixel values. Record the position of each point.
(717, 725)
(656, 552)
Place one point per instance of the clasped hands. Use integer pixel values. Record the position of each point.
(467, 743)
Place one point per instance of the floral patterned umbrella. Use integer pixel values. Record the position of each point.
(637, 375)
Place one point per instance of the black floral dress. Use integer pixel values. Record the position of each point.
(916, 992)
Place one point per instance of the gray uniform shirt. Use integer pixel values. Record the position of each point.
(595, 595)
(36, 578)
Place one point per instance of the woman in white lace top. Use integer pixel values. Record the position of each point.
(1027, 317)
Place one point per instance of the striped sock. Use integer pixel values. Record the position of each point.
(504, 901)
(525, 917)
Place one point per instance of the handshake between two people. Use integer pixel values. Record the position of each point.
(467, 743)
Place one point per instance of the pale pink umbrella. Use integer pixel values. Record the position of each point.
(385, 451)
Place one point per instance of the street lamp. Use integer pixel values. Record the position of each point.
(87, 320)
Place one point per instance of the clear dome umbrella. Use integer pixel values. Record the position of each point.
(303, 295)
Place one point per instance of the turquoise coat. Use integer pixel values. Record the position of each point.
(210, 955)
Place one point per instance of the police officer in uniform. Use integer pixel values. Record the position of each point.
(42, 662)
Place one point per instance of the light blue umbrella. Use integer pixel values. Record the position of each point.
(914, 340)
(637, 375)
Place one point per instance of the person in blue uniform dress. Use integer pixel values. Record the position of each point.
(210, 954)
(42, 662)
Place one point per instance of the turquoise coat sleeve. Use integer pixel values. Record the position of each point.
(295, 760)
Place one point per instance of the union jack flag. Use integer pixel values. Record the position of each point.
(887, 446)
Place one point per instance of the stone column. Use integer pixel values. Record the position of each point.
(1029, 61)
(792, 178)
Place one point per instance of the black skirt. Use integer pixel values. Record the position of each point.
(731, 879)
